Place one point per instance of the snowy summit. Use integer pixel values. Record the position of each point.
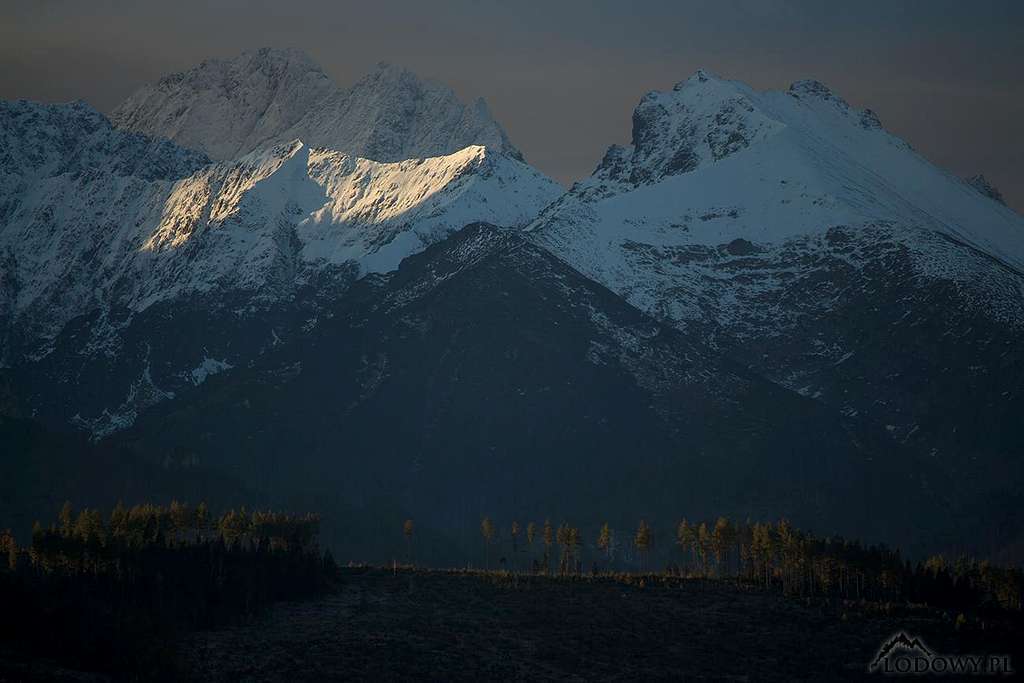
(230, 107)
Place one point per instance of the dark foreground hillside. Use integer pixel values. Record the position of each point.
(380, 624)
(457, 626)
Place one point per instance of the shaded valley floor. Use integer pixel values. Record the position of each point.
(459, 626)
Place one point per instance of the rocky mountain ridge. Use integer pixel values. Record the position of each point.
(228, 108)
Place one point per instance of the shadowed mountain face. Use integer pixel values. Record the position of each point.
(41, 469)
(796, 234)
(485, 377)
(131, 269)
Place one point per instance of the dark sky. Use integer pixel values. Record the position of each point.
(563, 77)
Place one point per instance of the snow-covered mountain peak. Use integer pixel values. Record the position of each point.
(774, 165)
(813, 88)
(701, 121)
(817, 96)
(389, 71)
(699, 76)
(230, 107)
(713, 161)
(271, 61)
(74, 141)
(703, 81)
(794, 230)
(227, 107)
(393, 114)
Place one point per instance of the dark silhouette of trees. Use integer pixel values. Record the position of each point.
(202, 518)
(570, 541)
(110, 588)
(66, 519)
(9, 549)
(721, 543)
(778, 556)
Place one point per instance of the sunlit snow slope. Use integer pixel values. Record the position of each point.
(713, 161)
(95, 217)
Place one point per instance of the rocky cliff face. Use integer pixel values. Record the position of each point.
(981, 184)
(485, 376)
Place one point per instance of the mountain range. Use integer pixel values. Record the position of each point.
(365, 301)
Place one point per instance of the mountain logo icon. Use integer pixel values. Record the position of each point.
(900, 641)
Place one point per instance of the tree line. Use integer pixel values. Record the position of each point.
(102, 591)
(771, 555)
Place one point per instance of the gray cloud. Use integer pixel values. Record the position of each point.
(563, 77)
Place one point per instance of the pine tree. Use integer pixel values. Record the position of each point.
(487, 530)
(9, 549)
(515, 543)
(789, 550)
(762, 549)
(531, 534)
(549, 538)
(703, 547)
(685, 539)
(234, 526)
(721, 541)
(604, 543)
(202, 518)
(38, 533)
(181, 518)
(744, 541)
(567, 538)
(119, 521)
(576, 544)
(88, 526)
(67, 520)
(642, 540)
